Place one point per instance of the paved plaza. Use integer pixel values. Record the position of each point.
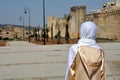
(26, 61)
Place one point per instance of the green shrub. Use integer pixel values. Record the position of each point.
(0, 37)
(6, 38)
(104, 40)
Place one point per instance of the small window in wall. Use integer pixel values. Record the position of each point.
(27, 33)
(7, 32)
(112, 4)
(104, 5)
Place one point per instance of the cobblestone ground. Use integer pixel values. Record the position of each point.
(25, 61)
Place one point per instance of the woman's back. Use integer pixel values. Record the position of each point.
(87, 65)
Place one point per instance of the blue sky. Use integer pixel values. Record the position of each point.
(11, 10)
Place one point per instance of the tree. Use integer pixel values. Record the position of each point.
(67, 36)
(35, 33)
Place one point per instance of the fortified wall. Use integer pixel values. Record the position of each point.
(62, 26)
(77, 17)
(51, 24)
(107, 20)
(54, 25)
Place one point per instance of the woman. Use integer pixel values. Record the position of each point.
(86, 58)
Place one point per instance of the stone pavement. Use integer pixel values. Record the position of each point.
(26, 61)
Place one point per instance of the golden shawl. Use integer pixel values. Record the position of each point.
(87, 65)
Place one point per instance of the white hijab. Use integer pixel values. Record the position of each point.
(88, 32)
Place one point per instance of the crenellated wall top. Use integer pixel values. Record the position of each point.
(75, 8)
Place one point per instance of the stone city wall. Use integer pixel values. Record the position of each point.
(108, 23)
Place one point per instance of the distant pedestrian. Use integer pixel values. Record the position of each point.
(86, 58)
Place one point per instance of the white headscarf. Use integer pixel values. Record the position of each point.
(88, 32)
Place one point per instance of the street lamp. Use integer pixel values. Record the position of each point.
(78, 21)
(22, 19)
(44, 19)
(26, 9)
(52, 32)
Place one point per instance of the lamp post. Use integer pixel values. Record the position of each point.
(22, 19)
(52, 32)
(78, 21)
(26, 9)
(44, 19)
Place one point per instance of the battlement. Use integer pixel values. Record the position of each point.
(74, 8)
